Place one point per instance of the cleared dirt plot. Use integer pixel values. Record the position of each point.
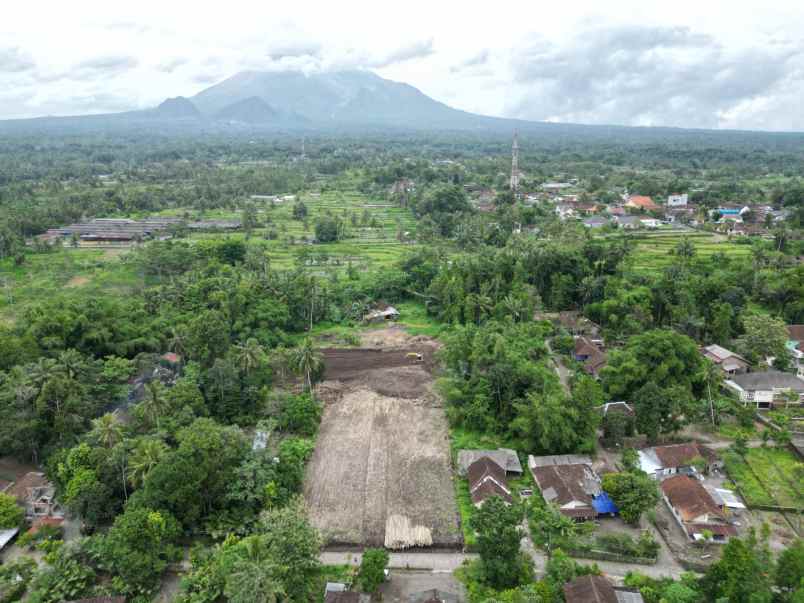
(380, 474)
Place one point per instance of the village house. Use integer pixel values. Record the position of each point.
(663, 461)
(681, 215)
(726, 500)
(7, 536)
(592, 357)
(695, 511)
(570, 483)
(36, 495)
(730, 212)
(795, 344)
(641, 202)
(617, 407)
(487, 479)
(506, 458)
(403, 186)
(577, 324)
(555, 187)
(386, 314)
(597, 589)
(650, 222)
(565, 211)
(433, 595)
(336, 592)
(595, 222)
(729, 362)
(628, 222)
(677, 200)
(767, 389)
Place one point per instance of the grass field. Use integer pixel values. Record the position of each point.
(767, 476)
(63, 272)
(653, 249)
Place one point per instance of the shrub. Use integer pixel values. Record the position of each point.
(11, 514)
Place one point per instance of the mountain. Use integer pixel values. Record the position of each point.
(349, 101)
(251, 110)
(344, 98)
(176, 108)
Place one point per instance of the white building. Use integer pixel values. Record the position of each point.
(676, 200)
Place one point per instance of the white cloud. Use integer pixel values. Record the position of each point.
(716, 63)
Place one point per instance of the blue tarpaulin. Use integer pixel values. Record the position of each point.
(604, 505)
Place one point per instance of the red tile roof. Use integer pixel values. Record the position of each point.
(689, 498)
(487, 479)
(681, 455)
(563, 484)
(642, 202)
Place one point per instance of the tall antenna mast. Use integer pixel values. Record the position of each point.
(515, 165)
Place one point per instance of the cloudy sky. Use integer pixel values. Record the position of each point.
(702, 63)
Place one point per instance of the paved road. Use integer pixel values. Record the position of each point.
(448, 562)
(437, 562)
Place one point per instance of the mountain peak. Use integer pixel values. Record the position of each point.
(177, 108)
(348, 97)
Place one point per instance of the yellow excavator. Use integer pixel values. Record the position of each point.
(415, 356)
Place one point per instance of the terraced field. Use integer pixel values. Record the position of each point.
(378, 232)
(653, 249)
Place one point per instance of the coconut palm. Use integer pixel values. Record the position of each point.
(711, 375)
(70, 361)
(107, 429)
(253, 577)
(146, 454)
(306, 361)
(177, 341)
(154, 405)
(250, 355)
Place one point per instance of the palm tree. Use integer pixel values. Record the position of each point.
(250, 355)
(306, 361)
(40, 372)
(711, 376)
(70, 362)
(252, 578)
(154, 405)
(177, 341)
(147, 453)
(107, 429)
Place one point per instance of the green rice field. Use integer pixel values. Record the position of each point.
(767, 476)
(653, 249)
(377, 232)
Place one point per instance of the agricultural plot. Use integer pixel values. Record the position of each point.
(377, 232)
(653, 250)
(767, 477)
(380, 474)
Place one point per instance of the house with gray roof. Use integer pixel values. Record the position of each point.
(506, 458)
(768, 389)
(728, 361)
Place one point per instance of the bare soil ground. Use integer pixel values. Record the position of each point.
(77, 281)
(382, 455)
